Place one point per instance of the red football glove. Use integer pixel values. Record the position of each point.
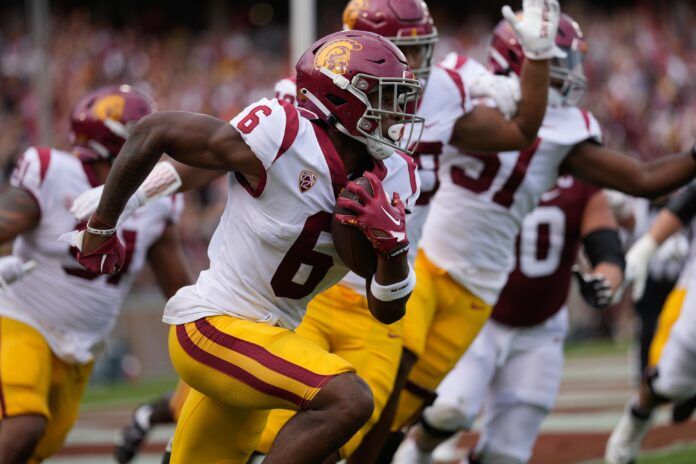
(382, 221)
(108, 258)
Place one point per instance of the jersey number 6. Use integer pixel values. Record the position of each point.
(302, 252)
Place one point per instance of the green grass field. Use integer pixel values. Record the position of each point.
(679, 455)
(124, 394)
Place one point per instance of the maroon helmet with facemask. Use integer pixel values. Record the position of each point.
(339, 76)
(568, 80)
(102, 119)
(404, 22)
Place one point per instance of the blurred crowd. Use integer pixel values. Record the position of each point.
(640, 66)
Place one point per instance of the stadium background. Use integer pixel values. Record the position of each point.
(215, 56)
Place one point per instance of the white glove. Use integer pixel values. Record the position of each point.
(12, 268)
(638, 263)
(162, 181)
(537, 28)
(503, 90)
(621, 204)
(676, 247)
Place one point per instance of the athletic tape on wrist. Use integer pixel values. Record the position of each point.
(395, 291)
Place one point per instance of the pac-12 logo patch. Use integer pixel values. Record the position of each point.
(307, 180)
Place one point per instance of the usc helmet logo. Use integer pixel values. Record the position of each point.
(109, 107)
(350, 14)
(335, 55)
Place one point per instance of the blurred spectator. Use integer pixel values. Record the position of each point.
(639, 62)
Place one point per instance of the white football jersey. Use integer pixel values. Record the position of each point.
(72, 308)
(444, 101)
(477, 211)
(286, 89)
(273, 251)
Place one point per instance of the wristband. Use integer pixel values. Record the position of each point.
(109, 231)
(395, 291)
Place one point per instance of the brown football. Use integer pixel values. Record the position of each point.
(354, 249)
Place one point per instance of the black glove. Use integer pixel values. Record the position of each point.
(595, 289)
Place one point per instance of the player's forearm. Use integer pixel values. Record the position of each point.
(390, 272)
(664, 226)
(662, 176)
(18, 213)
(134, 162)
(683, 204)
(534, 83)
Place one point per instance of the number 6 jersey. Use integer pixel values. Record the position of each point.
(72, 308)
(273, 251)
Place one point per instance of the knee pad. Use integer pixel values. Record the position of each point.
(445, 419)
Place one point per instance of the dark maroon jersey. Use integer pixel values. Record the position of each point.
(546, 250)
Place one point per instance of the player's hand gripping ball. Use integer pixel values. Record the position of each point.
(364, 205)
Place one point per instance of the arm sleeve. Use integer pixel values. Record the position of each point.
(30, 171)
(683, 204)
(269, 127)
(594, 131)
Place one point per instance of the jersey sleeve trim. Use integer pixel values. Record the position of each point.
(333, 161)
(586, 118)
(44, 162)
(591, 125)
(254, 192)
(379, 169)
(30, 172)
(292, 126)
(459, 83)
(411, 171)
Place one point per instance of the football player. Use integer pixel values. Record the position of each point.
(671, 373)
(467, 248)
(232, 337)
(513, 369)
(54, 321)
(340, 318)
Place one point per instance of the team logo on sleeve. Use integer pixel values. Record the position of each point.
(335, 55)
(307, 180)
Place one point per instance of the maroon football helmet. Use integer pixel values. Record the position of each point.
(568, 80)
(102, 119)
(404, 22)
(342, 73)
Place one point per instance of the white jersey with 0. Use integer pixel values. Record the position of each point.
(477, 211)
(72, 308)
(273, 251)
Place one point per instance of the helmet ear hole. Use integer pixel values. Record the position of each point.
(336, 100)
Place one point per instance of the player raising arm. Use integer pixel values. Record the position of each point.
(231, 338)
